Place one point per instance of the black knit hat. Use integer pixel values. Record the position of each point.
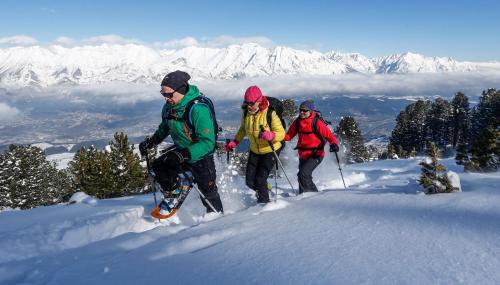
(177, 80)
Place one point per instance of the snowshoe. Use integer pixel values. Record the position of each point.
(172, 200)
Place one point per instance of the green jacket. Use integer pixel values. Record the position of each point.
(179, 131)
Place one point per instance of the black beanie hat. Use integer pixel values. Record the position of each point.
(177, 80)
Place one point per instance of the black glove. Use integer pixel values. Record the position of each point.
(147, 143)
(334, 147)
(176, 156)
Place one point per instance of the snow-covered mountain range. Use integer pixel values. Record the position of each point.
(58, 65)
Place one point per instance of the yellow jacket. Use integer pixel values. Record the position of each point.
(250, 127)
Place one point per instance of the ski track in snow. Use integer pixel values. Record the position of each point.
(381, 230)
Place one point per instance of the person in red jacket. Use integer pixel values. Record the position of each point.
(311, 143)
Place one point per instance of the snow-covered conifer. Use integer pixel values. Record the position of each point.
(28, 179)
(433, 177)
(350, 136)
(129, 176)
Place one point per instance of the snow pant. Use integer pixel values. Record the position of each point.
(203, 173)
(258, 168)
(306, 168)
(204, 176)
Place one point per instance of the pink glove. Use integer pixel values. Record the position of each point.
(267, 136)
(230, 145)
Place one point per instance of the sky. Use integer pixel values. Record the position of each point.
(464, 30)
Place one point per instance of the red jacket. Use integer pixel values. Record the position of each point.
(307, 139)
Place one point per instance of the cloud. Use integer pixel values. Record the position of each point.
(178, 43)
(225, 40)
(389, 85)
(65, 41)
(8, 113)
(217, 42)
(109, 39)
(19, 40)
(95, 41)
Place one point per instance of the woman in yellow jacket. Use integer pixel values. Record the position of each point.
(261, 159)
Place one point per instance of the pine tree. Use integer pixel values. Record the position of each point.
(461, 156)
(410, 128)
(92, 173)
(350, 135)
(402, 152)
(484, 134)
(128, 174)
(391, 151)
(461, 119)
(433, 179)
(439, 123)
(484, 114)
(290, 110)
(485, 152)
(413, 152)
(28, 180)
(5, 173)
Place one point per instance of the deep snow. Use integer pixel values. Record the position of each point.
(382, 230)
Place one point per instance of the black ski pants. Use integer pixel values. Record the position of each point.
(204, 176)
(259, 166)
(306, 168)
(203, 173)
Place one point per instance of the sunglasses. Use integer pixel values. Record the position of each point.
(168, 95)
(304, 110)
(249, 104)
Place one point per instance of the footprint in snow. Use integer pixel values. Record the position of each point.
(273, 206)
(193, 244)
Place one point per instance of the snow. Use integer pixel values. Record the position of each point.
(381, 230)
(454, 180)
(81, 197)
(43, 145)
(62, 160)
(55, 65)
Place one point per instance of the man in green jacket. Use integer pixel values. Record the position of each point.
(194, 145)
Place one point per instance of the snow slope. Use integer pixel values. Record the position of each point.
(381, 231)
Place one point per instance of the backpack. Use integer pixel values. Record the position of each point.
(319, 116)
(275, 105)
(186, 117)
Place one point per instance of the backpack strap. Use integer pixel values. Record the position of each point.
(188, 111)
(321, 146)
(269, 116)
(314, 131)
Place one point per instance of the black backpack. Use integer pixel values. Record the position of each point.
(275, 105)
(319, 116)
(186, 117)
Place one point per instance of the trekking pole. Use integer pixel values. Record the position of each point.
(151, 179)
(208, 202)
(340, 169)
(279, 161)
(276, 183)
(227, 152)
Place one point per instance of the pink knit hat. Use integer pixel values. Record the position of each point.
(253, 94)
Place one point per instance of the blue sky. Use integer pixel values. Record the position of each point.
(465, 30)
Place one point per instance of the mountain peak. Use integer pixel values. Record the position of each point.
(90, 64)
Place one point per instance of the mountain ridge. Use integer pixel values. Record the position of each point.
(57, 65)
